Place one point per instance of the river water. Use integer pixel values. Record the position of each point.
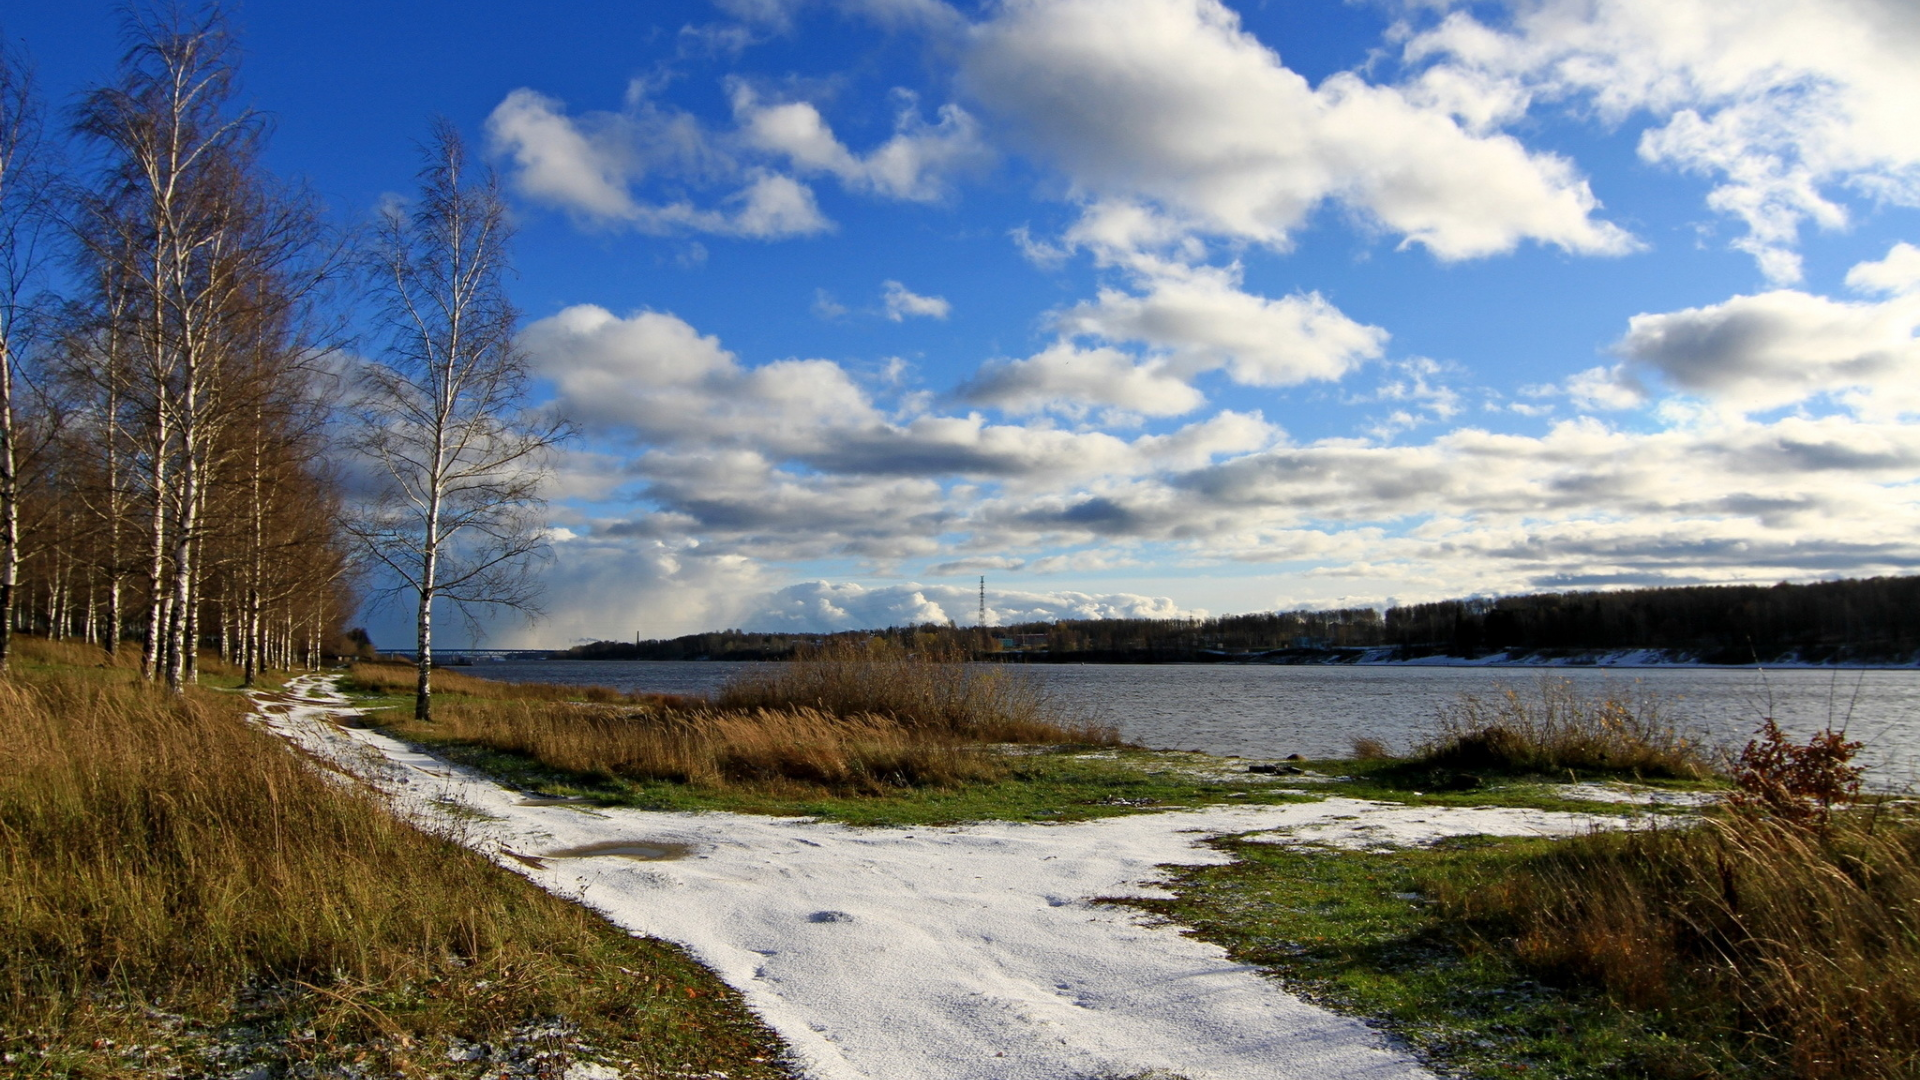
(1267, 710)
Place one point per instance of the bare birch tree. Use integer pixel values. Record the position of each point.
(23, 219)
(188, 237)
(457, 456)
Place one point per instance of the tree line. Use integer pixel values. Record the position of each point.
(195, 362)
(1868, 619)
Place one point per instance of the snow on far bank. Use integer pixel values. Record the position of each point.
(1626, 658)
(975, 952)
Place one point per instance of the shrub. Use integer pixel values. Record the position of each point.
(1560, 729)
(1798, 783)
(1367, 748)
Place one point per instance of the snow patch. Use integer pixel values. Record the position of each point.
(979, 952)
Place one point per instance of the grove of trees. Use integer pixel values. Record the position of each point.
(179, 330)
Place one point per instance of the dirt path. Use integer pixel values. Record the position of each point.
(966, 953)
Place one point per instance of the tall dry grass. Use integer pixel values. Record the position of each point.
(922, 691)
(381, 677)
(849, 719)
(162, 850)
(1558, 728)
(1799, 944)
(776, 749)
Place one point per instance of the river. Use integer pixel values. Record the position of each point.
(1266, 710)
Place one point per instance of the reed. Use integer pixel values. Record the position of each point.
(379, 677)
(1798, 945)
(849, 719)
(1557, 729)
(926, 691)
(780, 750)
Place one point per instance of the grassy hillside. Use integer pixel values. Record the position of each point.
(179, 893)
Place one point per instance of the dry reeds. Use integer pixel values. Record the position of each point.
(1801, 945)
(390, 678)
(849, 719)
(717, 748)
(923, 691)
(1558, 729)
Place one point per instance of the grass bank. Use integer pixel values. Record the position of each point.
(180, 894)
(861, 732)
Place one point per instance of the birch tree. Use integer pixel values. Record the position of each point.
(458, 458)
(23, 220)
(200, 251)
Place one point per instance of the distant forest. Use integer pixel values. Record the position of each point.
(1876, 619)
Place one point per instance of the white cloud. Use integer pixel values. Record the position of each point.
(561, 162)
(916, 164)
(1777, 348)
(1199, 319)
(736, 467)
(1781, 101)
(1171, 101)
(826, 606)
(1068, 379)
(1897, 274)
(903, 303)
(587, 167)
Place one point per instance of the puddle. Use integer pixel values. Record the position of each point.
(644, 850)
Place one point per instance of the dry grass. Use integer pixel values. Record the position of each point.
(850, 720)
(391, 678)
(1801, 945)
(161, 851)
(1558, 729)
(781, 750)
(923, 692)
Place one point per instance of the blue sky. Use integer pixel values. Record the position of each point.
(1160, 306)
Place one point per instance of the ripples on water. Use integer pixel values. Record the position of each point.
(1264, 710)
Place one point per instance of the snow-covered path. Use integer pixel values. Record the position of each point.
(967, 953)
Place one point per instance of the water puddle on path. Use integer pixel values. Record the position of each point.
(644, 850)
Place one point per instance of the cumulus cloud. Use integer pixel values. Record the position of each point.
(582, 167)
(1783, 102)
(1068, 379)
(1171, 101)
(1897, 274)
(1784, 346)
(1199, 319)
(826, 606)
(903, 303)
(917, 164)
(587, 167)
(731, 468)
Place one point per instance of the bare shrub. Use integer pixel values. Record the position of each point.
(1368, 748)
(1802, 943)
(1798, 783)
(1558, 728)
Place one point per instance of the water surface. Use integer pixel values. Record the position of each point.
(1265, 710)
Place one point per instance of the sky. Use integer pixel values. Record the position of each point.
(1156, 307)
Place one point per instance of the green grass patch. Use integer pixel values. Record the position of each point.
(1038, 784)
(1357, 933)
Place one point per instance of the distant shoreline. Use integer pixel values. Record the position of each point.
(1383, 657)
